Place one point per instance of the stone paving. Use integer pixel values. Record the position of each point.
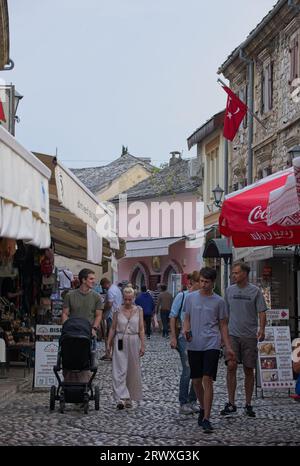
(26, 419)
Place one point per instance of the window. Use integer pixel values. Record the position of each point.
(294, 58)
(267, 171)
(266, 100)
(212, 171)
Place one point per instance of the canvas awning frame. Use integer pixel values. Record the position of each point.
(68, 231)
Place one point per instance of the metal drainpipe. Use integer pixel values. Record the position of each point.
(250, 75)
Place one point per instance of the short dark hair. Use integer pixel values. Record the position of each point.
(194, 276)
(208, 273)
(104, 281)
(243, 266)
(84, 273)
(143, 288)
(163, 287)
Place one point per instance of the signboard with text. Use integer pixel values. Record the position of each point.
(45, 359)
(274, 359)
(46, 355)
(277, 314)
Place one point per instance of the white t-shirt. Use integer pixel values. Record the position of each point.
(114, 296)
(65, 278)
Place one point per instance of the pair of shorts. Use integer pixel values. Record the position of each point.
(106, 324)
(204, 363)
(245, 350)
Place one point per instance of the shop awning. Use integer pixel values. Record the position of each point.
(244, 215)
(73, 215)
(24, 194)
(284, 202)
(150, 247)
(218, 247)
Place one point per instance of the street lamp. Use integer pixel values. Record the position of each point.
(17, 98)
(218, 194)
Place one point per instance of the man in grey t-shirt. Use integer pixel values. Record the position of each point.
(205, 321)
(246, 305)
(84, 302)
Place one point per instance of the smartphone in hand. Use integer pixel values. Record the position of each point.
(189, 336)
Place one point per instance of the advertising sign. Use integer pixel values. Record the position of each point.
(49, 330)
(277, 314)
(274, 359)
(45, 359)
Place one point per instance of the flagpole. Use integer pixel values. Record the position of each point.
(248, 110)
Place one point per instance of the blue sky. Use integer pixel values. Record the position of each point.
(100, 74)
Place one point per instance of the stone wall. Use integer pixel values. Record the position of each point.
(282, 122)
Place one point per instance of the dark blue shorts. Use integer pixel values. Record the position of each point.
(204, 363)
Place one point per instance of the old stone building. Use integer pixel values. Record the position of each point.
(267, 66)
(264, 71)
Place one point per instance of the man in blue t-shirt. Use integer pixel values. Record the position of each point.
(146, 302)
(205, 321)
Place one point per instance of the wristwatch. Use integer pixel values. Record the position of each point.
(95, 328)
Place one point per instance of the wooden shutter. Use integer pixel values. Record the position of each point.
(270, 85)
(294, 59)
(262, 91)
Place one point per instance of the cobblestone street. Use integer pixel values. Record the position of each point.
(26, 419)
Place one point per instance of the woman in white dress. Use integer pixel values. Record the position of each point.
(127, 336)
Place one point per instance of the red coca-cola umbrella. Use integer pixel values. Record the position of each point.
(244, 215)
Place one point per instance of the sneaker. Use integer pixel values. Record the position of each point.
(248, 410)
(207, 427)
(201, 417)
(128, 403)
(194, 407)
(185, 409)
(228, 410)
(120, 404)
(106, 358)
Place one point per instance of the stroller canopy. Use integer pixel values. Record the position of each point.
(76, 327)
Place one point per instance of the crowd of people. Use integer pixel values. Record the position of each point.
(200, 322)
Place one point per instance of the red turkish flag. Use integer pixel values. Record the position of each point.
(235, 112)
(2, 114)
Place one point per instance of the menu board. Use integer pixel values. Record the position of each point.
(274, 359)
(46, 348)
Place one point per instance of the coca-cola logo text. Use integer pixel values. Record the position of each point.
(257, 215)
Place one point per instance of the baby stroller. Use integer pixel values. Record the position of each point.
(75, 357)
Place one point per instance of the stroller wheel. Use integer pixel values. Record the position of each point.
(86, 407)
(97, 398)
(62, 403)
(52, 398)
(86, 403)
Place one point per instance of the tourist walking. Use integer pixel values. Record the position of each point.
(205, 321)
(126, 336)
(246, 306)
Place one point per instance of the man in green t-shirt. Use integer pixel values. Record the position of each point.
(84, 301)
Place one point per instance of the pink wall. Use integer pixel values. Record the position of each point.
(182, 259)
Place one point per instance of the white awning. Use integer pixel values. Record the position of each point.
(74, 215)
(24, 194)
(150, 247)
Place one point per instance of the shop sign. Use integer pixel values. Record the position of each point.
(45, 359)
(277, 314)
(274, 359)
(52, 330)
